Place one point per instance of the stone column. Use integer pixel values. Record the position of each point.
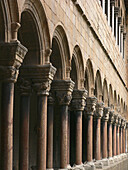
(116, 15)
(12, 55)
(109, 12)
(111, 119)
(63, 90)
(122, 40)
(113, 15)
(103, 6)
(118, 136)
(124, 37)
(41, 77)
(119, 35)
(90, 106)
(98, 114)
(104, 135)
(121, 135)
(78, 104)
(25, 91)
(114, 133)
(50, 132)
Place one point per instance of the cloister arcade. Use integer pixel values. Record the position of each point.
(57, 111)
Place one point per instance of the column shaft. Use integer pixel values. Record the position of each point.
(117, 145)
(68, 142)
(116, 30)
(50, 137)
(78, 137)
(42, 131)
(89, 138)
(7, 126)
(113, 18)
(24, 133)
(98, 140)
(121, 140)
(103, 5)
(114, 140)
(64, 126)
(119, 38)
(109, 12)
(110, 141)
(104, 139)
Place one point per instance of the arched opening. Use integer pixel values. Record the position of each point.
(105, 93)
(28, 35)
(98, 86)
(90, 75)
(110, 102)
(60, 59)
(56, 60)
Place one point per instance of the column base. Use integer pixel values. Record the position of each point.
(69, 166)
(78, 167)
(99, 164)
(89, 166)
(111, 161)
(105, 162)
(115, 158)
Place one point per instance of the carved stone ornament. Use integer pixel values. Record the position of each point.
(90, 105)
(119, 121)
(106, 113)
(78, 99)
(8, 74)
(116, 11)
(111, 116)
(51, 99)
(24, 86)
(99, 110)
(41, 77)
(115, 119)
(63, 91)
(12, 55)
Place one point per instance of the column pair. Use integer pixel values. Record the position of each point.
(90, 108)
(39, 78)
(12, 55)
(110, 146)
(63, 92)
(118, 136)
(78, 104)
(115, 134)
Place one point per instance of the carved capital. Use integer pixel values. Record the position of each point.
(24, 86)
(63, 91)
(51, 99)
(41, 77)
(8, 73)
(111, 116)
(113, 2)
(12, 55)
(122, 122)
(99, 110)
(119, 20)
(90, 105)
(124, 35)
(115, 122)
(122, 28)
(106, 113)
(119, 121)
(116, 11)
(78, 99)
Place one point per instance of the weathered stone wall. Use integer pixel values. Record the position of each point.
(94, 37)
